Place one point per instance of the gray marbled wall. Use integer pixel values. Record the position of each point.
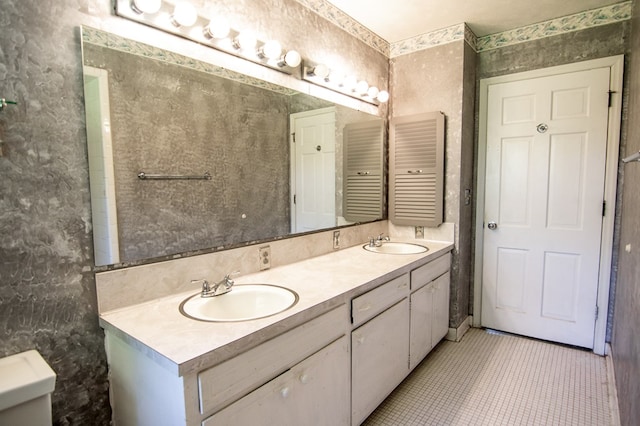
(625, 342)
(442, 78)
(47, 288)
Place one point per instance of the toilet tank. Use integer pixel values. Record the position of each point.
(26, 383)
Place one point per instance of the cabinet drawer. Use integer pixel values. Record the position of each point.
(226, 382)
(377, 300)
(432, 270)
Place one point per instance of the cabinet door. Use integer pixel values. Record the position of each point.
(379, 362)
(315, 391)
(416, 169)
(363, 177)
(440, 308)
(421, 324)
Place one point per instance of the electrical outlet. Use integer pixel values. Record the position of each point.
(419, 232)
(265, 257)
(336, 239)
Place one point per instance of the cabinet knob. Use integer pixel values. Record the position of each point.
(360, 340)
(285, 392)
(304, 379)
(364, 307)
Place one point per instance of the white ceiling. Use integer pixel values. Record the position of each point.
(396, 20)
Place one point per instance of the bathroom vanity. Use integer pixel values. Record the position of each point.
(363, 321)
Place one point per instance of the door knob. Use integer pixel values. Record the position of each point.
(492, 225)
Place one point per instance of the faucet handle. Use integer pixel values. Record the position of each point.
(203, 283)
(228, 282)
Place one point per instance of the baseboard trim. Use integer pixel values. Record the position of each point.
(614, 408)
(455, 334)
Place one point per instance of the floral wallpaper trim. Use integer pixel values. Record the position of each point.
(434, 38)
(112, 41)
(347, 23)
(579, 21)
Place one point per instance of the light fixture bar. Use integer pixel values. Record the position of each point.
(164, 19)
(320, 75)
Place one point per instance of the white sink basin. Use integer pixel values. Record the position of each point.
(393, 247)
(244, 302)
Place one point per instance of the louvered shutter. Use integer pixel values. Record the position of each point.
(416, 169)
(363, 186)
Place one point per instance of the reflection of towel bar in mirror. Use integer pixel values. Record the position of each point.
(632, 157)
(4, 103)
(146, 176)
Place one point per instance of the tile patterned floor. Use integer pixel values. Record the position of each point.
(492, 378)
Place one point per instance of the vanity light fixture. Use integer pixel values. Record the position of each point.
(212, 31)
(216, 32)
(184, 15)
(321, 75)
(146, 6)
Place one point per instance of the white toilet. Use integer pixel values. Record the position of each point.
(26, 383)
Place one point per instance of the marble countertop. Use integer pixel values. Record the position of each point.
(185, 345)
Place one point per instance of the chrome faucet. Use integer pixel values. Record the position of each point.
(377, 242)
(221, 287)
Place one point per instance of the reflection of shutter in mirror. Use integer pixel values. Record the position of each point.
(363, 181)
(416, 169)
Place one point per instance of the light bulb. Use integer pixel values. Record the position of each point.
(373, 92)
(246, 40)
(383, 96)
(271, 50)
(218, 28)
(146, 6)
(184, 15)
(320, 71)
(337, 78)
(362, 87)
(291, 59)
(349, 83)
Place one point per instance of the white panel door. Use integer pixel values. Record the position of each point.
(544, 189)
(314, 170)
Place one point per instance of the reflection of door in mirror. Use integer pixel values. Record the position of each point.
(103, 194)
(313, 170)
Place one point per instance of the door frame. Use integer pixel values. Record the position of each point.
(616, 64)
(292, 157)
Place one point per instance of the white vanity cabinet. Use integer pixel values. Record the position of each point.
(334, 368)
(287, 380)
(380, 346)
(429, 307)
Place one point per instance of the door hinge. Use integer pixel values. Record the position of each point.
(611, 92)
(294, 198)
(597, 312)
(604, 208)
(294, 137)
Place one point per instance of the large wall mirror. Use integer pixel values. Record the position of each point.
(187, 156)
